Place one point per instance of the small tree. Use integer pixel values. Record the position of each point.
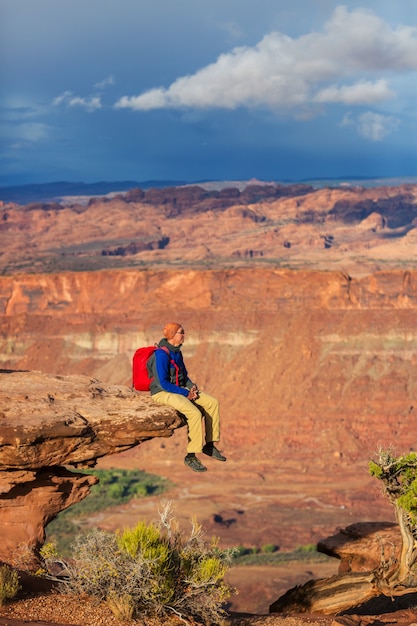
(393, 576)
(399, 477)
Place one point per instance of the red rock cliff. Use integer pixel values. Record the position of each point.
(319, 349)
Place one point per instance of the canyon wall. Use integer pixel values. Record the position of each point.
(326, 360)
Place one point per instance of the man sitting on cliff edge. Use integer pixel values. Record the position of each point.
(171, 385)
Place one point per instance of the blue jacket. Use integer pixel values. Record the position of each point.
(167, 371)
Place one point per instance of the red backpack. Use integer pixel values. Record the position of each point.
(140, 376)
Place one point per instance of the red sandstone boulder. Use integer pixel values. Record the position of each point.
(364, 546)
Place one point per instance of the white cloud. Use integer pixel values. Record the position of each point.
(375, 126)
(356, 47)
(370, 125)
(68, 99)
(90, 104)
(153, 99)
(62, 98)
(105, 83)
(362, 92)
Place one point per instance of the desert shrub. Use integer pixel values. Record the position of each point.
(62, 531)
(121, 606)
(151, 569)
(309, 547)
(269, 548)
(280, 558)
(9, 583)
(241, 551)
(399, 476)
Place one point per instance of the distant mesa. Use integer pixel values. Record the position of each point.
(44, 192)
(240, 224)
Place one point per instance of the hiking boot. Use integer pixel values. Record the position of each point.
(196, 465)
(211, 450)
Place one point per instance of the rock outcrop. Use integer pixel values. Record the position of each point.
(48, 423)
(363, 546)
(293, 225)
(370, 554)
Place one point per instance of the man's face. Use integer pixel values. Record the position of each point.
(178, 338)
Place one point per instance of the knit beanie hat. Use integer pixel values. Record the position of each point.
(171, 329)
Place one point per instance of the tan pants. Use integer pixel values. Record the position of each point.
(205, 406)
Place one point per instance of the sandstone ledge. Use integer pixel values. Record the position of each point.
(50, 422)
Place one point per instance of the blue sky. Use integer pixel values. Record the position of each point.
(223, 89)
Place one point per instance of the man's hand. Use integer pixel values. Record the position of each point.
(193, 393)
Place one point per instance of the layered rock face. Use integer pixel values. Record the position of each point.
(48, 423)
(189, 227)
(324, 359)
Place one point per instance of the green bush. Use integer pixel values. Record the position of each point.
(399, 476)
(309, 547)
(9, 583)
(151, 569)
(304, 554)
(241, 551)
(115, 487)
(269, 548)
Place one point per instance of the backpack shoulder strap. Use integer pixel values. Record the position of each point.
(172, 362)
